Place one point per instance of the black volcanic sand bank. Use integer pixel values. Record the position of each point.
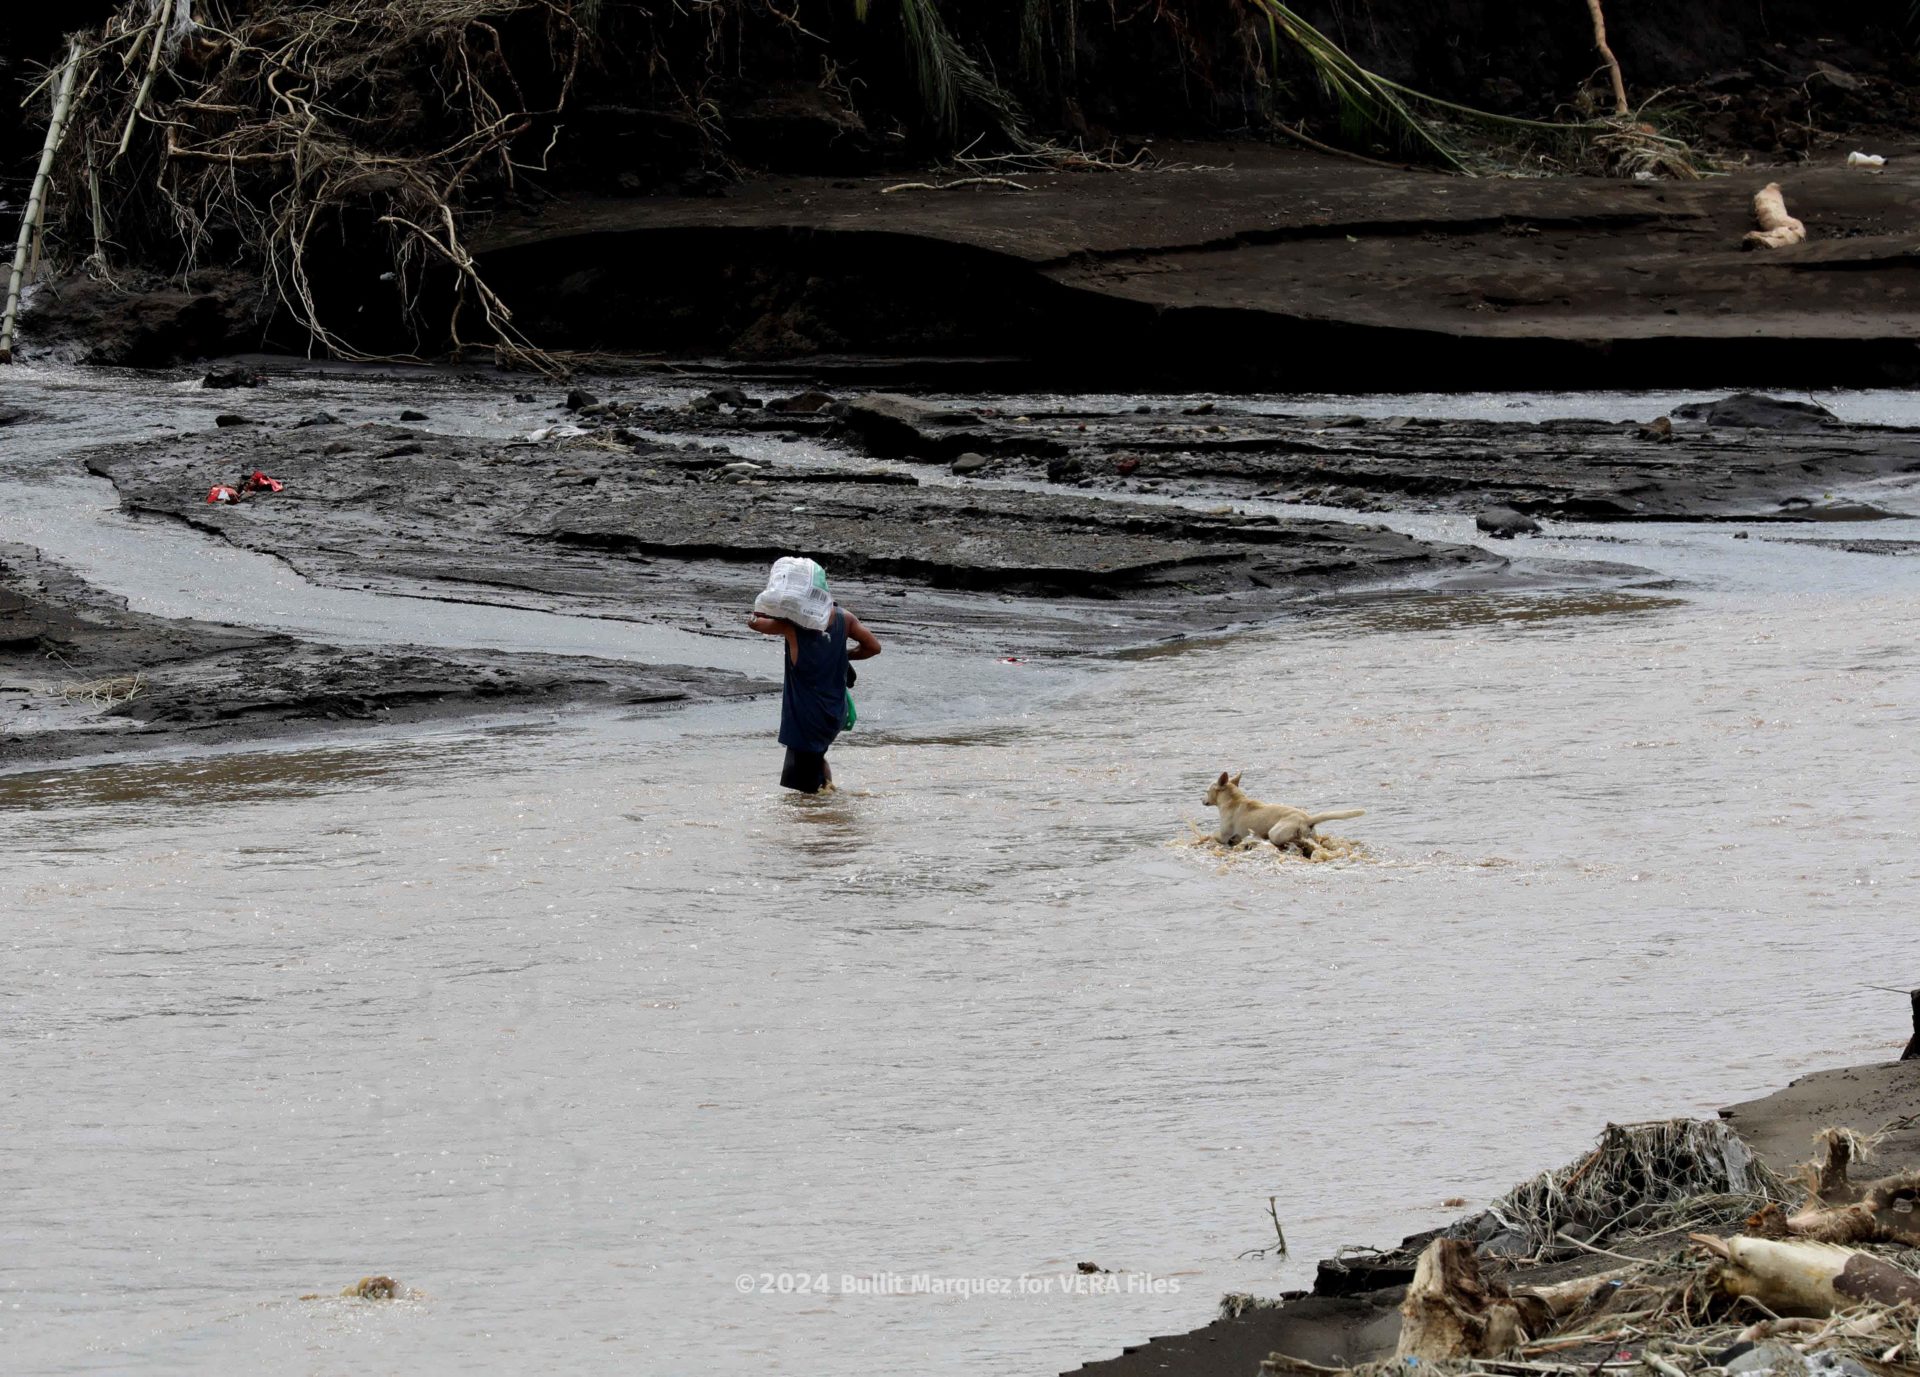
(1743, 458)
(81, 675)
(682, 534)
(1350, 1318)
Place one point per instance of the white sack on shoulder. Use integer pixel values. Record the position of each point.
(795, 591)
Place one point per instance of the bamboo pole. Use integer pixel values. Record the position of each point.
(31, 219)
(160, 22)
(1620, 106)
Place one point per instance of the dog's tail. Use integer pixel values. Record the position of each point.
(1315, 819)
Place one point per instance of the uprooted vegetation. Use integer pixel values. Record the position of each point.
(289, 139)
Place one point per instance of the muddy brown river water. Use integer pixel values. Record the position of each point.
(628, 1062)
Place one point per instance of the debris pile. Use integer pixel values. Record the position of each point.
(1669, 1250)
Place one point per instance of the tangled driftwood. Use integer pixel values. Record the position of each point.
(247, 130)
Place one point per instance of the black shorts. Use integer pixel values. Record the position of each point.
(805, 771)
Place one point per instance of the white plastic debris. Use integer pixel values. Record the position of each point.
(1868, 160)
(796, 590)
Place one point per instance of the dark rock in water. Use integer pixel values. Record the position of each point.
(577, 399)
(897, 426)
(10, 414)
(734, 397)
(801, 403)
(970, 463)
(414, 416)
(524, 397)
(1756, 411)
(319, 418)
(227, 418)
(1504, 523)
(232, 377)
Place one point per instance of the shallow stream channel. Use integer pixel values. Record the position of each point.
(621, 1060)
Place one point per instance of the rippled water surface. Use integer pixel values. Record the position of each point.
(571, 1025)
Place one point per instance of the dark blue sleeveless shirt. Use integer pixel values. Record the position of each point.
(813, 702)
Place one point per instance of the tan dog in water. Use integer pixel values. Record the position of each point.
(1242, 817)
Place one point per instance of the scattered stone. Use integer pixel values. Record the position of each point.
(1756, 411)
(1125, 467)
(229, 419)
(970, 462)
(411, 415)
(1504, 523)
(1065, 470)
(733, 397)
(1204, 409)
(319, 418)
(524, 397)
(806, 403)
(232, 377)
(577, 399)
(702, 405)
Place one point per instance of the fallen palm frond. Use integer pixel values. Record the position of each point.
(1450, 132)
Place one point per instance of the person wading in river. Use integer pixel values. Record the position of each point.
(814, 703)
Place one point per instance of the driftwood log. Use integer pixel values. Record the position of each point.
(1452, 1311)
(1802, 1277)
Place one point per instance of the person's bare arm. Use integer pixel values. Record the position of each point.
(776, 626)
(866, 644)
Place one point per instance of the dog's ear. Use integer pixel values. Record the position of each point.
(1236, 778)
(1222, 779)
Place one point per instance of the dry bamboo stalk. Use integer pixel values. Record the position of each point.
(37, 202)
(160, 22)
(1620, 106)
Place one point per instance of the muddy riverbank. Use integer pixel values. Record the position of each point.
(1245, 266)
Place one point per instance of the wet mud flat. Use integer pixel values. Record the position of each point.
(681, 533)
(1353, 1314)
(1744, 458)
(80, 675)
